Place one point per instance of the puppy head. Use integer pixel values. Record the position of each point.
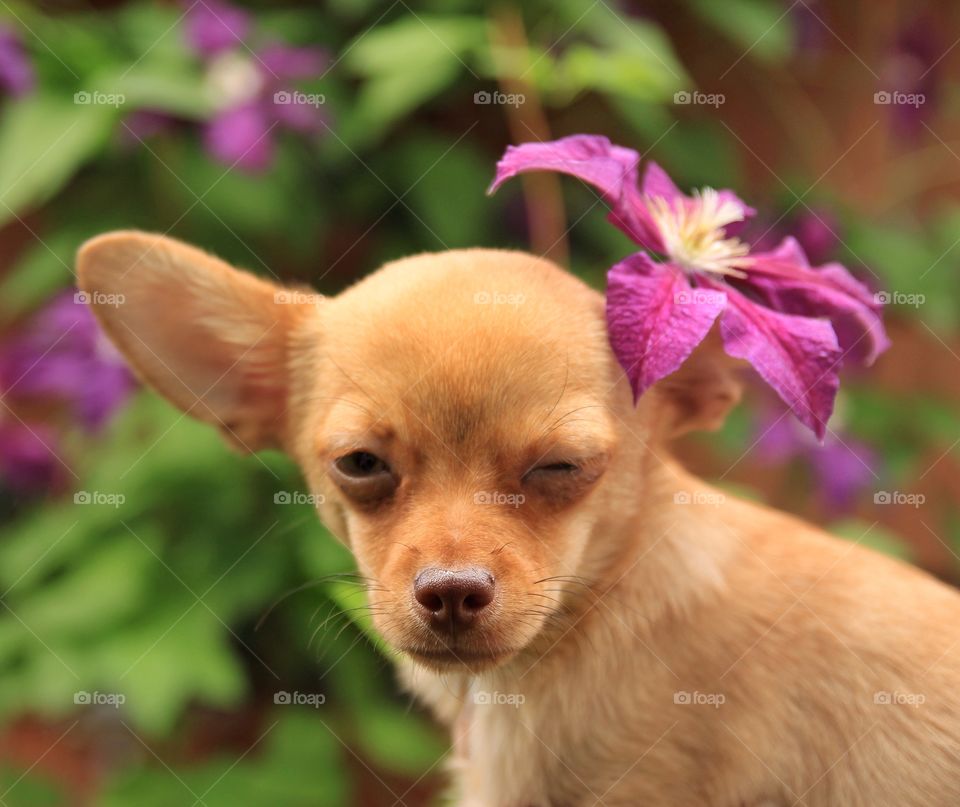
(462, 414)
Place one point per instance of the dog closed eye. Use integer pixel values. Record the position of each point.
(564, 479)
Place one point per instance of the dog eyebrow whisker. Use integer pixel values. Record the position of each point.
(346, 375)
(563, 389)
(565, 579)
(315, 398)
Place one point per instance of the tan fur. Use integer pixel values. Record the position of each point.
(786, 641)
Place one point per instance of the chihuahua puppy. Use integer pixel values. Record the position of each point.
(594, 624)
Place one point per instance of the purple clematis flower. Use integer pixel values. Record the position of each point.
(28, 462)
(816, 231)
(842, 468)
(60, 362)
(63, 357)
(212, 26)
(259, 100)
(794, 323)
(16, 71)
(251, 86)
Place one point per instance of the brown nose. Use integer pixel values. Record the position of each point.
(453, 599)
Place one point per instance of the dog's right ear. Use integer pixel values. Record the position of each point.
(209, 338)
(699, 395)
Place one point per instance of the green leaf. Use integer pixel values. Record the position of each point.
(27, 788)
(43, 141)
(90, 597)
(44, 268)
(176, 89)
(877, 538)
(405, 64)
(296, 761)
(429, 167)
(761, 28)
(630, 59)
(177, 654)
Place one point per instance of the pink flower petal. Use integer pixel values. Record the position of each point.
(213, 26)
(240, 136)
(289, 62)
(17, 75)
(594, 159)
(656, 182)
(656, 318)
(797, 356)
(787, 281)
(299, 112)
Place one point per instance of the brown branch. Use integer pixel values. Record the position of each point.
(526, 120)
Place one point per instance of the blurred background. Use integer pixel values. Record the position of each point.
(174, 629)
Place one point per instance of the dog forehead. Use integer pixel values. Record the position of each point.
(455, 340)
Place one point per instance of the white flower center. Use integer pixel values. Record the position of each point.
(692, 232)
(232, 79)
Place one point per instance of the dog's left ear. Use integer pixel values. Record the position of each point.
(209, 338)
(701, 393)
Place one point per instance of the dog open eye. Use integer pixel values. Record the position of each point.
(363, 476)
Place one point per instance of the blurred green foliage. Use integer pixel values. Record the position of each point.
(158, 596)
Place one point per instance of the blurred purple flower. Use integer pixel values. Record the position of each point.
(61, 359)
(212, 26)
(809, 31)
(815, 229)
(28, 460)
(63, 355)
(912, 76)
(257, 99)
(292, 63)
(251, 86)
(16, 71)
(842, 467)
(240, 136)
(793, 322)
(816, 232)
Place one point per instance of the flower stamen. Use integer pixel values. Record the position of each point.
(693, 235)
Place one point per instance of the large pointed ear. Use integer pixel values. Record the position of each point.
(699, 395)
(209, 338)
